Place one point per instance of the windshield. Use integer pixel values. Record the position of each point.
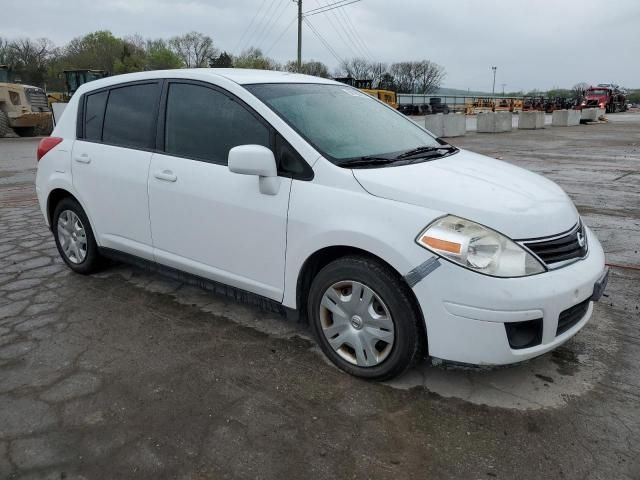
(342, 122)
(599, 91)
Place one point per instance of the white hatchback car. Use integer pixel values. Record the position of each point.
(307, 195)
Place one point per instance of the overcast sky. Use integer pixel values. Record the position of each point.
(534, 43)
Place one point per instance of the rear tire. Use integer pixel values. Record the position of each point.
(4, 124)
(74, 237)
(382, 319)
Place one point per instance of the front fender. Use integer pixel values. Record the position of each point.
(322, 216)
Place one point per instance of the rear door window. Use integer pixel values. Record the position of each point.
(130, 117)
(94, 115)
(204, 124)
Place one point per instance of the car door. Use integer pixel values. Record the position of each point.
(110, 165)
(205, 219)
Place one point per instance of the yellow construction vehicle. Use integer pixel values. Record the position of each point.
(72, 81)
(23, 108)
(386, 96)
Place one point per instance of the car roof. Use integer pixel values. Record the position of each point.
(241, 76)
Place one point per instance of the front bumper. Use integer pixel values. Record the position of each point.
(465, 312)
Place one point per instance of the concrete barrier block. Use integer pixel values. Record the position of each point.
(494, 122)
(435, 124)
(565, 118)
(455, 125)
(530, 120)
(601, 112)
(504, 121)
(589, 114)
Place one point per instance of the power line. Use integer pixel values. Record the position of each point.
(269, 25)
(325, 6)
(235, 49)
(349, 43)
(339, 15)
(260, 24)
(324, 42)
(345, 14)
(331, 6)
(281, 35)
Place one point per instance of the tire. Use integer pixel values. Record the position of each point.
(43, 131)
(91, 261)
(392, 310)
(4, 124)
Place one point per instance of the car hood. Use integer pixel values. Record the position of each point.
(509, 199)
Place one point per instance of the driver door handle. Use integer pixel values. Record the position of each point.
(165, 175)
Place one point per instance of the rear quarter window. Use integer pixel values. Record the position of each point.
(94, 115)
(130, 116)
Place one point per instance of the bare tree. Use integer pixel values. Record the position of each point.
(30, 58)
(34, 54)
(417, 77)
(4, 51)
(194, 49)
(404, 76)
(378, 72)
(358, 68)
(429, 76)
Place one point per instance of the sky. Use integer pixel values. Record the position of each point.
(534, 43)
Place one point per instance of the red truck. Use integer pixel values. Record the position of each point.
(605, 95)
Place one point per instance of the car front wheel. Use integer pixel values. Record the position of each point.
(364, 318)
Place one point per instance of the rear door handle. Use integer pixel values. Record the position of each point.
(84, 158)
(165, 175)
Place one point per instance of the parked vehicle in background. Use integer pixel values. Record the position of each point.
(23, 108)
(320, 201)
(73, 79)
(606, 95)
(386, 96)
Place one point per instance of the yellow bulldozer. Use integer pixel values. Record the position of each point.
(23, 109)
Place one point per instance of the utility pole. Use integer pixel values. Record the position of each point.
(299, 35)
(493, 91)
(503, 85)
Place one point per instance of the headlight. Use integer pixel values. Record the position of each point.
(478, 248)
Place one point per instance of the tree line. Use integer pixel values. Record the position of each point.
(40, 62)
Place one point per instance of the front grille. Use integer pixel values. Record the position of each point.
(571, 316)
(560, 248)
(37, 99)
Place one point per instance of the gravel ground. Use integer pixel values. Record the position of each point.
(125, 374)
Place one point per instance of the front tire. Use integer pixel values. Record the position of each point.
(364, 318)
(74, 237)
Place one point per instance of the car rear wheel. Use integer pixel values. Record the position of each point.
(74, 237)
(4, 124)
(364, 318)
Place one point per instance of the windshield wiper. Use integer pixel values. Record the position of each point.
(421, 150)
(366, 161)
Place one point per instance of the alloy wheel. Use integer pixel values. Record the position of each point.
(72, 236)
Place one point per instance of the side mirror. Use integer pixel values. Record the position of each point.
(256, 160)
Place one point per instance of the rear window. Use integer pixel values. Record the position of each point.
(130, 117)
(93, 115)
